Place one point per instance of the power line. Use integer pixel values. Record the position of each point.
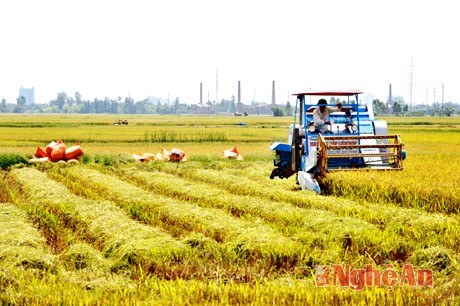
(411, 83)
(442, 97)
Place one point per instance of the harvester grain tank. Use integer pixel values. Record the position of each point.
(353, 140)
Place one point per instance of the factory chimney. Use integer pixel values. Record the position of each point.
(238, 104)
(390, 99)
(201, 93)
(239, 92)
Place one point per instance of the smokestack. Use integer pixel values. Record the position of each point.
(239, 92)
(238, 103)
(390, 97)
(201, 93)
(273, 93)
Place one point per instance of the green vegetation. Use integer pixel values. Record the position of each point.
(8, 160)
(112, 230)
(171, 136)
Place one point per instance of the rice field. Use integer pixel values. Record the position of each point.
(211, 231)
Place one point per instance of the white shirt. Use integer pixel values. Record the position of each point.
(321, 117)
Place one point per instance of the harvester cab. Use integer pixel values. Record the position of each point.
(351, 139)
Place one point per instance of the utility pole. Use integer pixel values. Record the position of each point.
(217, 85)
(426, 95)
(411, 83)
(442, 97)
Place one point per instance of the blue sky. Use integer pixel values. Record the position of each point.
(166, 48)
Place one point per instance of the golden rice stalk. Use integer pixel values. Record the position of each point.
(123, 238)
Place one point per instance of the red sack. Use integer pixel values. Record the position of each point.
(233, 153)
(176, 155)
(40, 152)
(58, 151)
(73, 152)
(49, 148)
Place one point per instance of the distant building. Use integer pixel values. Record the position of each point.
(197, 109)
(28, 94)
(266, 109)
(244, 108)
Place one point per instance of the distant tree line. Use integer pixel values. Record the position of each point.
(224, 106)
(66, 104)
(76, 105)
(400, 108)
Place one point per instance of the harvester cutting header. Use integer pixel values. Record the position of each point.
(339, 135)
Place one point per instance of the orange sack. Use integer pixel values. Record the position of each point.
(58, 151)
(233, 153)
(40, 152)
(146, 157)
(73, 152)
(176, 155)
(49, 148)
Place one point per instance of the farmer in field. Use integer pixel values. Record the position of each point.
(321, 115)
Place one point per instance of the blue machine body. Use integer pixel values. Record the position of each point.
(354, 139)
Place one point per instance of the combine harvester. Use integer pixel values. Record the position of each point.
(354, 140)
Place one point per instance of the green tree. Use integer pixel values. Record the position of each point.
(183, 108)
(114, 107)
(380, 108)
(397, 109)
(21, 101)
(128, 106)
(60, 100)
(288, 109)
(77, 97)
(3, 106)
(232, 107)
(448, 111)
(175, 105)
(21, 104)
(278, 112)
(141, 106)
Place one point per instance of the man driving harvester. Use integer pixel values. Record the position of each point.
(321, 115)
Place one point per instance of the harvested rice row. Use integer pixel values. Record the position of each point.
(414, 224)
(251, 239)
(23, 251)
(405, 188)
(389, 215)
(121, 238)
(4, 197)
(284, 214)
(18, 231)
(305, 225)
(21, 245)
(432, 227)
(312, 227)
